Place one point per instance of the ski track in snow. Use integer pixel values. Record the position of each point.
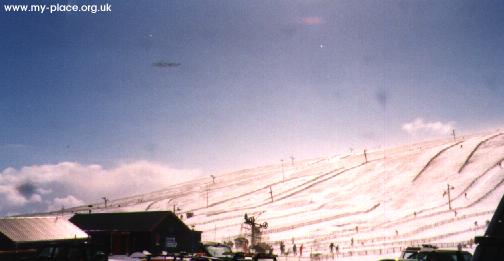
(467, 161)
(325, 200)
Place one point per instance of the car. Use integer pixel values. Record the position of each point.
(213, 251)
(444, 255)
(82, 252)
(490, 247)
(411, 253)
(264, 257)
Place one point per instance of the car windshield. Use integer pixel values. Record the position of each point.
(218, 251)
(409, 255)
(444, 256)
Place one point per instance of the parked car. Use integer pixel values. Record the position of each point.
(213, 251)
(18, 255)
(411, 253)
(210, 251)
(491, 246)
(70, 253)
(264, 257)
(444, 255)
(65, 252)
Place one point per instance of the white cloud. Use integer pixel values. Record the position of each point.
(68, 201)
(10, 197)
(42, 187)
(419, 126)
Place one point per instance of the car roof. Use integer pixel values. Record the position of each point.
(445, 251)
(211, 243)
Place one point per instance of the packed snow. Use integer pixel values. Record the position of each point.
(397, 198)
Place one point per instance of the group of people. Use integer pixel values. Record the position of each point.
(333, 248)
(294, 249)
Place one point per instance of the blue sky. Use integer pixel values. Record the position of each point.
(258, 80)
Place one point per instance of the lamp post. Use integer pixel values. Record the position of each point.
(447, 192)
(207, 189)
(283, 172)
(105, 200)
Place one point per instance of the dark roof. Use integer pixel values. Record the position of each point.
(34, 229)
(123, 221)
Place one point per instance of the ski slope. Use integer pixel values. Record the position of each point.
(393, 200)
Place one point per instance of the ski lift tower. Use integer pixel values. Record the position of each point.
(255, 230)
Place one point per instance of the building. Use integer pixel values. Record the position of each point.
(128, 232)
(21, 235)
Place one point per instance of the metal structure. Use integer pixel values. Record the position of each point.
(283, 171)
(447, 191)
(255, 230)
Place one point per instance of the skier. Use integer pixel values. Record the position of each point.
(301, 250)
(331, 247)
(294, 249)
(282, 247)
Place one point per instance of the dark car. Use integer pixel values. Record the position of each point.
(491, 245)
(70, 253)
(264, 257)
(73, 252)
(444, 255)
(411, 253)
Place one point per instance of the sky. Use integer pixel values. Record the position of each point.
(211, 86)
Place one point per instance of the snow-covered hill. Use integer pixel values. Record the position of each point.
(392, 200)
